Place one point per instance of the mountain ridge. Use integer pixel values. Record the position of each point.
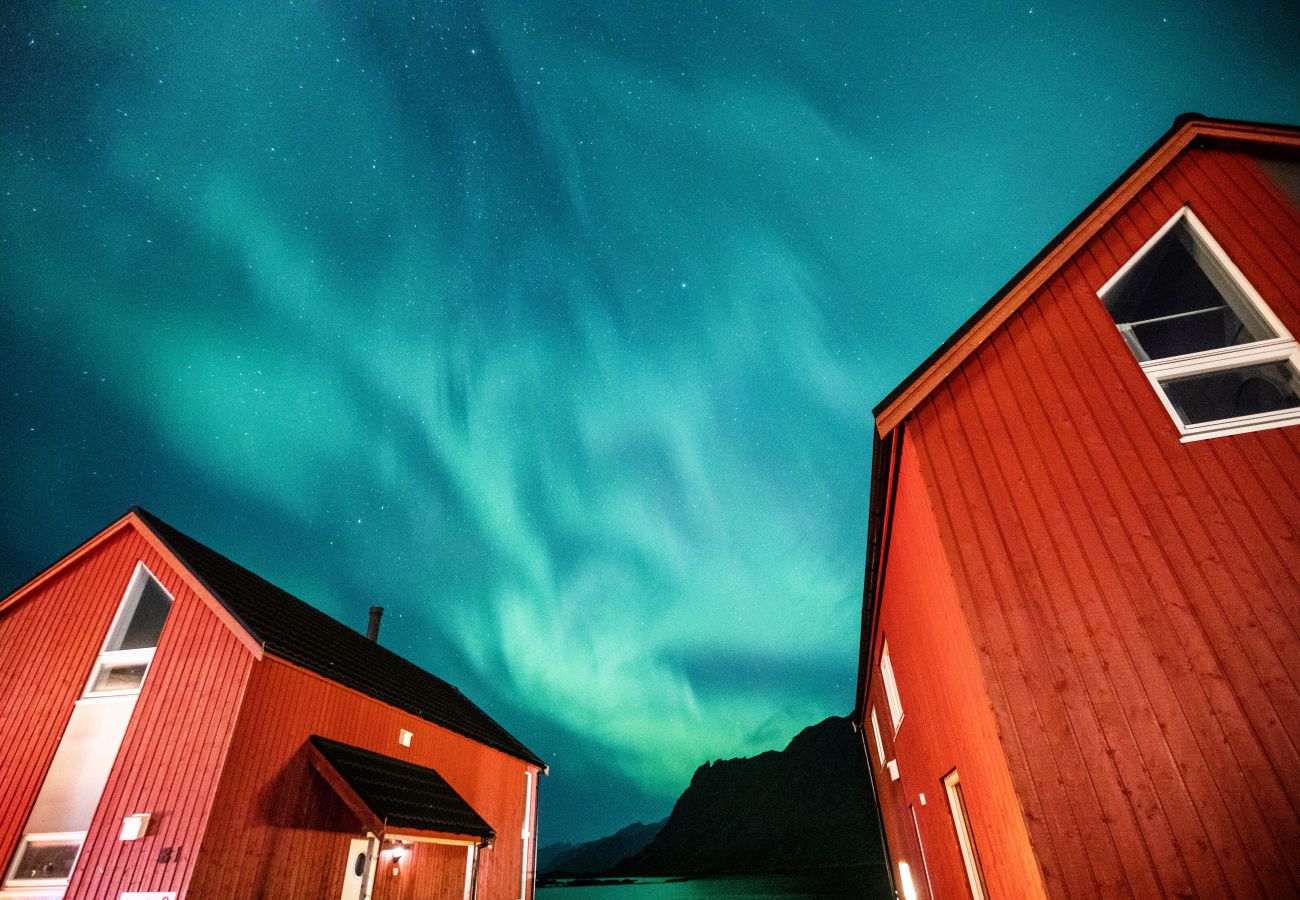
(807, 806)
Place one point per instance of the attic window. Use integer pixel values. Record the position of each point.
(1218, 358)
(129, 648)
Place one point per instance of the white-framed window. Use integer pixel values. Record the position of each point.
(128, 650)
(891, 687)
(45, 859)
(74, 782)
(880, 745)
(1218, 358)
(965, 837)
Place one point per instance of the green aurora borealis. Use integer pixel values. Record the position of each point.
(554, 328)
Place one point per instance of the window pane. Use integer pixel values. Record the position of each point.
(1178, 299)
(1235, 392)
(144, 623)
(47, 859)
(1189, 332)
(120, 677)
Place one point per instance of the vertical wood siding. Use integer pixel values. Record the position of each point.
(277, 830)
(49, 643)
(947, 722)
(1135, 601)
(429, 872)
(172, 750)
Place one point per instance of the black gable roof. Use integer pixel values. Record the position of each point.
(298, 632)
(402, 794)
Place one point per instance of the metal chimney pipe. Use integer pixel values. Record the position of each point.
(372, 630)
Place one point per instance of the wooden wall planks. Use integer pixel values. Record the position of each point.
(213, 752)
(171, 753)
(60, 631)
(429, 872)
(1134, 601)
(277, 825)
(947, 721)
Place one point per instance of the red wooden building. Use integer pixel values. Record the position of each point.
(172, 726)
(1080, 668)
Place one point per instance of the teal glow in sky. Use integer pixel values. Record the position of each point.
(553, 327)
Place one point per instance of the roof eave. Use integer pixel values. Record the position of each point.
(370, 819)
(1187, 129)
(67, 561)
(231, 619)
(133, 519)
(884, 480)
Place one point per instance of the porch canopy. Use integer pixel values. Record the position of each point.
(395, 799)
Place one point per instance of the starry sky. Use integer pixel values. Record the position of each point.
(553, 327)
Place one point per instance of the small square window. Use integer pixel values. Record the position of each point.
(112, 677)
(45, 859)
(1218, 358)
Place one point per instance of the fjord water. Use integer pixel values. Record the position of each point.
(859, 883)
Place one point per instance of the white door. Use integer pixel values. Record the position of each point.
(360, 873)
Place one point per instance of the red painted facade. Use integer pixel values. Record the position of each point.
(215, 750)
(267, 799)
(1097, 625)
(947, 713)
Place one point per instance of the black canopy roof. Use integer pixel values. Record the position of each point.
(402, 794)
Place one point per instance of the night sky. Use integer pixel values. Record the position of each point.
(554, 328)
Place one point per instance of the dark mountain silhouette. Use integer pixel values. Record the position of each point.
(548, 853)
(599, 856)
(808, 806)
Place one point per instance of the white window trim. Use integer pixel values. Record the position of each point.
(125, 608)
(11, 881)
(117, 658)
(880, 744)
(965, 836)
(891, 687)
(920, 845)
(526, 835)
(1282, 348)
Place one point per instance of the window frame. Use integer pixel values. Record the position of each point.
(1281, 348)
(970, 857)
(12, 881)
(887, 674)
(125, 609)
(880, 743)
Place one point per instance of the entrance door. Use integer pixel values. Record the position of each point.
(360, 874)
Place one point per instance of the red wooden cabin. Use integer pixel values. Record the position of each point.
(172, 725)
(1080, 669)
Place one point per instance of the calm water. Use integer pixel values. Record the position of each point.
(858, 883)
